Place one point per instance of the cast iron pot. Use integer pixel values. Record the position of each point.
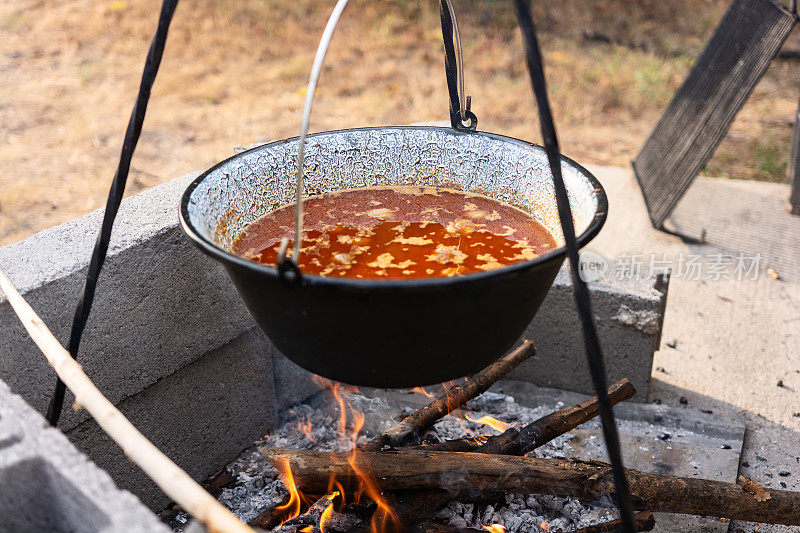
(385, 333)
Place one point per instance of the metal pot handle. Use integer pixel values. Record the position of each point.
(461, 116)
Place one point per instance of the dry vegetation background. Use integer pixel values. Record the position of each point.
(234, 73)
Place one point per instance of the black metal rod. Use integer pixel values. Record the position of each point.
(594, 354)
(114, 198)
(451, 74)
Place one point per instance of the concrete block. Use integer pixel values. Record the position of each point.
(293, 383)
(628, 315)
(160, 302)
(48, 485)
(202, 416)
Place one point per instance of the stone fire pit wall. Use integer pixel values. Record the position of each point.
(172, 345)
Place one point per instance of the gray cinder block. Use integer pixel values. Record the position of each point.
(202, 416)
(160, 302)
(48, 485)
(628, 315)
(293, 384)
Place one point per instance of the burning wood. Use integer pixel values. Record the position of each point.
(385, 518)
(474, 473)
(411, 506)
(449, 401)
(521, 441)
(495, 424)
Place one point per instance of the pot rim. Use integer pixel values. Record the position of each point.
(216, 251)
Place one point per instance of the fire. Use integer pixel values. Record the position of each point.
(545, 525)
(326, 514)
(495, 424)
(292, 507)
(451, 406)
(495, 528)
(422, 391)
(455, 411)
(384, 519)
(339, 390)
(335, 488)
(304, 427)
(479, 439)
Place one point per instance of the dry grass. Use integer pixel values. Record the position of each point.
(234, 73)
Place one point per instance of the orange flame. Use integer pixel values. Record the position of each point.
(307, 529)
(422, 391)
(336, 488)
(479, 439)
(545, 525)
(304, 426)
(384, 519)
(495, 424)
(339, 390)
(292, 507)
(326, 514)
(448, 397)
(495, 528)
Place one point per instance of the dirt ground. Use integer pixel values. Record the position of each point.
(234, 72)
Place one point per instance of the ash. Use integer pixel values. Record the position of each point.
(257, 485)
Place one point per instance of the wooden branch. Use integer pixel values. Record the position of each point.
(272, 516)
(643, 521)
(474, 473)
(414, 505)
(448, 401)
(167, 475)
(309, 518)
(464, 444)
(515, 441)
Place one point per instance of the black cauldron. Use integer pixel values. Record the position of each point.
(390, 333)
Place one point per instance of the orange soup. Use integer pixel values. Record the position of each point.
(398, 233)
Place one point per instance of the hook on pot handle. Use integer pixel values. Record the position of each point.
(463, 119)
(461, 116)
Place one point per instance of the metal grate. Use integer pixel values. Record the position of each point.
(694, 123)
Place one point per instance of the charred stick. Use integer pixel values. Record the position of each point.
(476, 473)
(311, 517)
(271, 517)
(433, 527)
(464, 444)
(515, 441)
(555, 424)
(411, 505)
(423, 526)
(644, 521)
(451, 400)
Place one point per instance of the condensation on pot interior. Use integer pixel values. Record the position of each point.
(251, 184)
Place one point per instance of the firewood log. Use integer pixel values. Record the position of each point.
(473, 473)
